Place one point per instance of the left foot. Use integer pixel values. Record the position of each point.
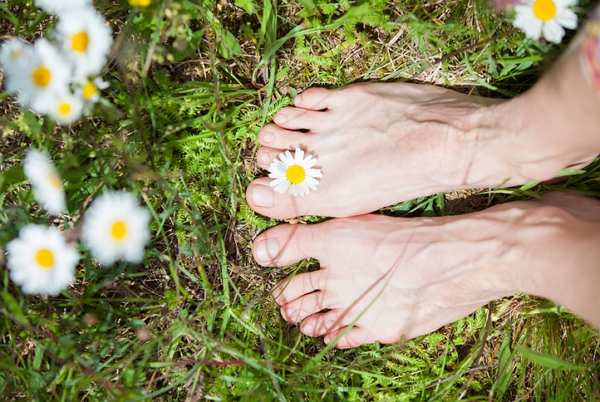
(392, 278)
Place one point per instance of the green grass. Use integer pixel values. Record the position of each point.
(191, 85)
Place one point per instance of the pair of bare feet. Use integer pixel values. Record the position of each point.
(377, 145)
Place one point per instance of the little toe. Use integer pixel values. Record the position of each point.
(275, 137)
(356, 336)
(297, 286)
(322, 323)
(317, 99)
(287, 244)
(294, 118)
(309, 304)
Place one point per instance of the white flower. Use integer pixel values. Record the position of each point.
(547, 17)
(115, 227)
(294, 173)
(57, 6)
(40, 261)
(13, 54)
(46, 183)
(63, 107)
(89, 91)
(85, 39)
(43, 72)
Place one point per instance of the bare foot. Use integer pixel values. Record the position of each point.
(399, 277)
(381, 143)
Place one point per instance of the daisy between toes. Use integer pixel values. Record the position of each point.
(294, 173)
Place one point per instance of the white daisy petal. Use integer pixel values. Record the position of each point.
(567, 18)
(57, 6)
(283, 187)
(277, 181)
(287, 159)
(62, 107)
(115, 227)
(293, 173)
(553, 32)
(314, 173)
(45, 181)
(41, 261)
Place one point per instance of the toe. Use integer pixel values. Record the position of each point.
(304, 306)
(291, 290)
(262, 198)
(287, 244)
(265, 156)
(294, 118)
(322, 323)
(317, 99)
(355, 337)
(276, 137)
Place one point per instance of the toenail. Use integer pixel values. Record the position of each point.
(290, 312)
(297, 100)
(268, 137)
(267, 250)
(262, 196)
(308, 328)
(280, 118)
(265, 158)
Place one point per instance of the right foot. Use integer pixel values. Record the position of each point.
(378, 144)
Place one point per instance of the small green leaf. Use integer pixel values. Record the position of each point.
(529, 185)
(504, 368)
(247, 5)
(569, 172)
(548, 361)
(227, 44)
(13, 307)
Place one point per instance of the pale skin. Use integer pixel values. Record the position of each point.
(379, 144)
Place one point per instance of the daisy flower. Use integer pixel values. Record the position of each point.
(115, 227)
(40, 260)
(57, 6)
(47, 185)
(85, 40)
(547, 17)
(63, 107)
(43, 71)
(12, 55)
(89, 91)
(294, 173)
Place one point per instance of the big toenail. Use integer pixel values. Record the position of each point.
(264, 158)
(262, 196)
(280, 118)
(268, 137)
(308, 328)
(267, 250)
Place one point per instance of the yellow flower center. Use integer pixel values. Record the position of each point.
(44, 258)
(140, 3)
(89, 90)
(54, 181)
(118, 230)
(545, 10)
(64, 108)
(41, 76)
(80, 42)
(295, 174)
